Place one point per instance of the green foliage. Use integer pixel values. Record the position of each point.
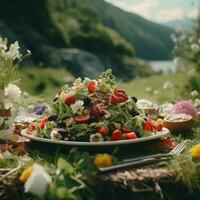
(80, 26)
(187, 49)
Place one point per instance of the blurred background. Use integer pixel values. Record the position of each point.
(152, 46)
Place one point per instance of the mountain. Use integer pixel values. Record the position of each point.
(186, 24)
(84, 36)
(151, 40)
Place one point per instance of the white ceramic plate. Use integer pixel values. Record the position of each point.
(165, 132)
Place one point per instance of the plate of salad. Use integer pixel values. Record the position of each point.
(94, 113)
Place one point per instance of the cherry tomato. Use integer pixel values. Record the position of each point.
(116, 135)
(70, 100)
(92, 86)
(131, 135)
(103, 130)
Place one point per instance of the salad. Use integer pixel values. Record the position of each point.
(93, 111)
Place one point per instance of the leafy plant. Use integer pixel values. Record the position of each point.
(9, 61)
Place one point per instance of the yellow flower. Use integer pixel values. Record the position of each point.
(159, 121)
(103, 160)
(195, 151)
(26, 173)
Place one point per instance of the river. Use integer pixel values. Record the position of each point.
(166, 66)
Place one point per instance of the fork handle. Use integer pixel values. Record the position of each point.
(158, 155)
(126, 165)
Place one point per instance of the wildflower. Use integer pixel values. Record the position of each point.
(191, 39)
(182, 37)
(197, 102)
(195, 47)
(55, 135)
(167, 85)
(195, 151)
(77, 107)
(14, 51)
(26, 174)
(12, 93)
(148, 89)
(176, 60)
(97, 137)
(185, 107)
(36, 180)
(156, 91)
(103, 160)
(194, 93)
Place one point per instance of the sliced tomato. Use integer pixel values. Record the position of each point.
(116, 135)
(127, 130)
(131, 135)
(42, 125)
(103, 130)
(113, 99)
(92, 86)
(70, 100)
(32, 128)
(82, 118)
(148, 126)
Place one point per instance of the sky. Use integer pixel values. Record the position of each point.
(160, 10)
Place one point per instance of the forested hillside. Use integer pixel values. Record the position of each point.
(85, 36)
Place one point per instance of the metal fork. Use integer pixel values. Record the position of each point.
(175, 151)
(146, 159)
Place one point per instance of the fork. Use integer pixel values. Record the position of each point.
(145, 159)
(175, 151)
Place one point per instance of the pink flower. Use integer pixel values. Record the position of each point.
(184, 107)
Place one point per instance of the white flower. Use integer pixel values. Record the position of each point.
(97, 137)
(195, 47)
(77, 107)
(12, 91)
(194, 93)
(55, 135)
(156, 91)
(29, 52)
(38, 182)
(148, 89)
(173, 37)
(176, 60)
(182, 37)
(87, 80)
(191, 39)
(197, 102)
(13, 52)
(12, 94)
(167, 85)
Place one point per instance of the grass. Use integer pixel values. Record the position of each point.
(47, 82)
(155, 84)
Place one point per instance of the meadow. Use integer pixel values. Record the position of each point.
(47, 82)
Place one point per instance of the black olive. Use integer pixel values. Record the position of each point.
(134, 112)
(63, 132)
(61, 125)
(87, 102)
(53, 118)
(93, 119)
(134, 99)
